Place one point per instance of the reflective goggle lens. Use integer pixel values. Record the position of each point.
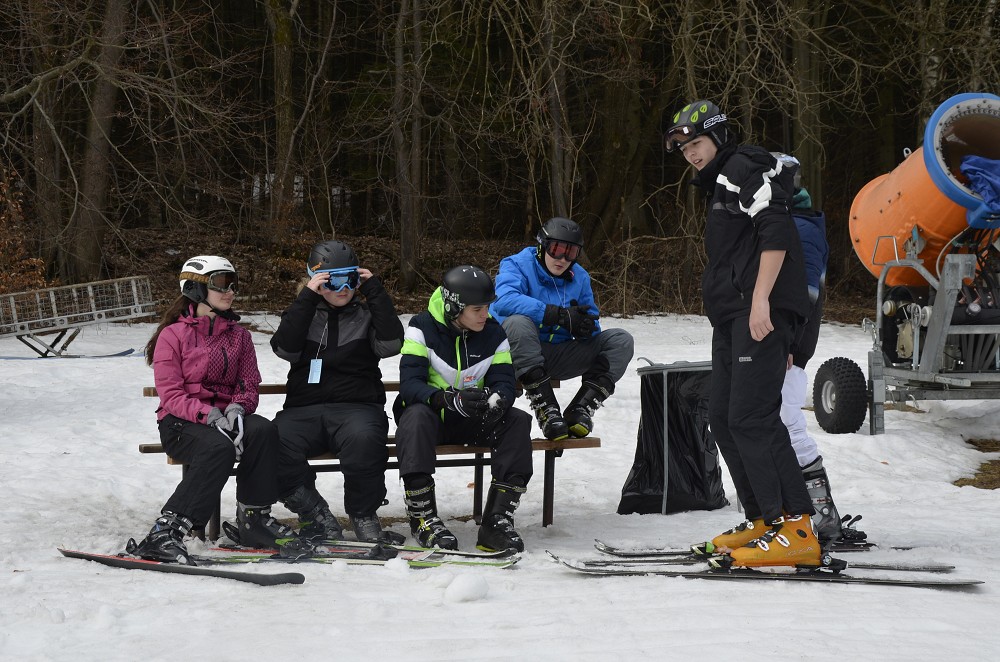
(223, 281)
(677, 136)
(340, 279)
(559, 250)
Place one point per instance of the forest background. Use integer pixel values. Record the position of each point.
(137, 133)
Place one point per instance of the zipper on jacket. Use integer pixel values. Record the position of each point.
(458, 359)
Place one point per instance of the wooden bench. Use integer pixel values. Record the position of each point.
(457, 456)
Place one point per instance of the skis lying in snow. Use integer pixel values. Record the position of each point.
(355, 546)
(748, 574)
(640, 561)
(667, 552)
(633, 557)
(134, 563)
(354, 553)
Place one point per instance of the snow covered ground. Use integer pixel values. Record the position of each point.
(70, 476)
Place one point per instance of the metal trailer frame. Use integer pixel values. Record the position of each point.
(925, 377)
(63, 311)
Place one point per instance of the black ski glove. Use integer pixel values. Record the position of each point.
(582, 322)
(576, 319)
(468, 402)
(496, 407)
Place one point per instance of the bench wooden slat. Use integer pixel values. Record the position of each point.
(280, 389)
(445, 449)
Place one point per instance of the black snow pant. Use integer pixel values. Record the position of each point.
(209, 456)
(419, 429)
(745, 417)
(355, 432)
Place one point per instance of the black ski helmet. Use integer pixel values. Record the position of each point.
(331, 255)
(560, 229)
(698, 118)
(196, 271)
(467, 285)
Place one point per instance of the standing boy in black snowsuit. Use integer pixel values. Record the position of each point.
(456, 385)
(754, 291)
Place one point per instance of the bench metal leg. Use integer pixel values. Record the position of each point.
(477, 492)
(548, 487)
(213, 523)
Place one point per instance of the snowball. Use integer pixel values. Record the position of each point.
(466, 588)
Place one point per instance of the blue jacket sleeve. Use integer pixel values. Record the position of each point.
(513, 294)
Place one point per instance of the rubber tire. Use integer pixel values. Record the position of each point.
(840, 396)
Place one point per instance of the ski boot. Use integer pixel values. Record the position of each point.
(788, 541)
(738, 536)
(369, 529)
(592, 394)
(497, 532)
(421, 505)
(255, 527)
(538, 388)
(829, 524)
(165, 541)
(316, 520)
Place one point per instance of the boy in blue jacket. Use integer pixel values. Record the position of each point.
(546, 305)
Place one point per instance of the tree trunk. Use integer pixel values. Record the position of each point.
(47, 162)
(407, 138)
(279, 19)
(807, 125)
(89, 223)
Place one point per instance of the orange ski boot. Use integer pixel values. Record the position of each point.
(738, 536)
(789, 541)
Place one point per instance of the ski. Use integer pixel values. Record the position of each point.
(633, 561)
(667, 552)
(748, 574)
(415, 559)
(134, 563)
(354, 547)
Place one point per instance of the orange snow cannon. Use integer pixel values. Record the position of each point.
(925, 203)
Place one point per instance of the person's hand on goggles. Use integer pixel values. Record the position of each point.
(335, 280)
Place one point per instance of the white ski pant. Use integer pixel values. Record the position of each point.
(793, 398)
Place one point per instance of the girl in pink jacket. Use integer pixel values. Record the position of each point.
(205, 370)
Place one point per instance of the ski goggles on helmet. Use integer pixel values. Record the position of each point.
(561, 250)
(340, 279)
(223, 281)
(677, 136)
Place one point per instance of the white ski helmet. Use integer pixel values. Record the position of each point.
(196, 272)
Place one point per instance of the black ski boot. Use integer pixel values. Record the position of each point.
(590, 397)
(421, 505)
(367, 528)
(827, 521)
(316, 520)
(538, 388)
(165, 541)
(255, 527)
(497, 532)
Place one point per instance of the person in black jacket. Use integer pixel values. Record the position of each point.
(336, 399)
(456, 386)
(754, 291)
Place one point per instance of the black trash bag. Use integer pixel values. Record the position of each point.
(695, 476)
